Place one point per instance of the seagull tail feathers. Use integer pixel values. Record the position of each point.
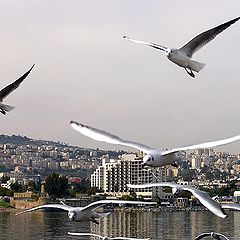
(197, 66)
(102, 215)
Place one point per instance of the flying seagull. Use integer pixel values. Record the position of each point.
(88, 212)
(8, 89)
(203, 197)
(182, 56)
(214, 235)
(154, 157)
(104, 237)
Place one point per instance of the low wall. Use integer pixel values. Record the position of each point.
(25, 204)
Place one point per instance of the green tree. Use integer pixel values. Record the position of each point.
(4, 179)
(16, 187)
(56, 186)
(93, 190)
(5, 192)
(188, 174)
(33, 186)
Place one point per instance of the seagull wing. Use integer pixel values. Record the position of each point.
(212, 234)
(85, 234)
(103, 136)
(96, 235)
(203, 145)
(11, 87)
(233, 206)
(202, 39)
(95, 205)
(203, 235)
(154, 45)
(206, 201)
(203, 197)
(57, 206)
(130, 238)
(219, 236)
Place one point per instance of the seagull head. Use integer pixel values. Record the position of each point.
(148, 160)
(175, 190)
(72, 215)
(169, 52)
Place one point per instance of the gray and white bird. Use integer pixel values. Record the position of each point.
(214, 235)
(202, 196)
(8, 89)
(182, 56)
(154, 157)
(104, 237)
(87, 213)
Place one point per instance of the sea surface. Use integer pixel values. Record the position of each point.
(182, 225)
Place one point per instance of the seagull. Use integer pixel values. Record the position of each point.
(87, 213)
(8, 89)
(104, 237)
(212, 234)
(154, 157)
(182, 56)
(202, 196)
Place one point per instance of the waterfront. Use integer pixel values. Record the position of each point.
(183, 225)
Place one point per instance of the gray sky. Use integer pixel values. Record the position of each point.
(86, 71)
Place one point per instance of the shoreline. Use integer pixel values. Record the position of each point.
(2, 209)
(134, 209)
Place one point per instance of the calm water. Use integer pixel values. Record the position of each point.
(157, 225)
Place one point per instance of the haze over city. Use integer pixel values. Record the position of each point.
(86, 71)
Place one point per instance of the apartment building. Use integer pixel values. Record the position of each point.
(113, 176)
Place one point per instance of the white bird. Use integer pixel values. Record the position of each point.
(8, 89)
(214, 235)
(154, 157)
(202, 196)
(88, 212)
(104, 237)
(182, 56)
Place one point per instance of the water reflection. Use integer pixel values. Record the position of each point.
(157, 225)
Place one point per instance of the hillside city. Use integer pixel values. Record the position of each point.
(24, 160)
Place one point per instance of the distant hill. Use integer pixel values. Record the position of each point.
(23, 140)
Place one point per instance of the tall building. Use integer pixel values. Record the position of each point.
(196, 162)
(114, 175)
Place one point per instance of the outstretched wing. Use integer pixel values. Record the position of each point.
(11, 87)
(202, 39)
(96, 235)
(95, 205)
(85, 234)
(103, 136)
(204, 145)
(57, 206)
(203, 235)
(153, 45)
(212, 234)
(129, 238)
(234, 206)
(203, 197)
(206, 201)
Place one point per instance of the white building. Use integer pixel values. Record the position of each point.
(113, 176)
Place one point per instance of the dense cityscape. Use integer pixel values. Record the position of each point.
(27, 162)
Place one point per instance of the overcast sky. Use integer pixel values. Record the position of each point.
(86, 71)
